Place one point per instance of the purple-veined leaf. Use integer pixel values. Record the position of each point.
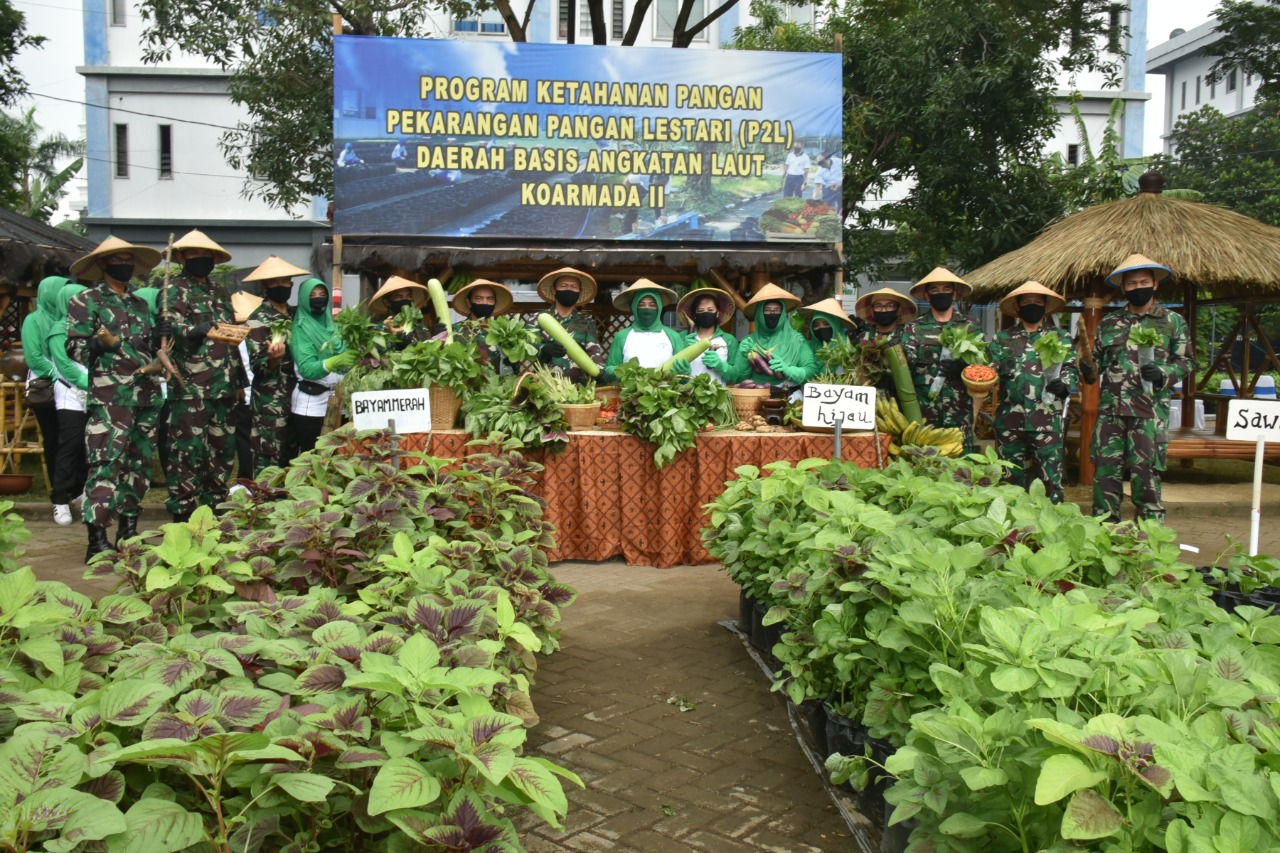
(321, 678)
(1158, 778)
(50, 706)
(131, 701)
(559, 594)
(157, 826)
(77, 816)
(109, 786)
(362, 756)
(1089, 815)
(34, 758)
(171, 726)
(338, 634)
(402, 783)
(465, 618)
(539, 784)
(520, 704)
(468, 815)
(494, 760)
(176, 673)
(426, 614)
(383, 643)
(101, 645)
(1105, 744)
(246, 708)
(197, 703)
(223, 660)
(485, 727)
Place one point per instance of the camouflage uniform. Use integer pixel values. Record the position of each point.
(122, 408)
(582, 326)
(272, 388)
(953, 406)
(1133, 426)
(1029, 432)
(201, 432)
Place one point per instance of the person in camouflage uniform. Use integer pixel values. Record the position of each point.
(1133, 422)
(567, 290)
(271, 365)
(951, 406)
(201, 430)
(1030, 431)
(884, 314)
(394, 296)
(123, 404)
(477, 302)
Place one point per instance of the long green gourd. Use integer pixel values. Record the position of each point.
(689, 353)
(906, 389)
(441, 306)
(576, 353)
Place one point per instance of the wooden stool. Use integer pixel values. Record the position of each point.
(15, 420)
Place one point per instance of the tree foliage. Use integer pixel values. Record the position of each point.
(13, 38)
(33, 184)
(1250, 42)
(950, 102)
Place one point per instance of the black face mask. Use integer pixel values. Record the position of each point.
(481, 310)
(1031, 313)
(824, 335)
(941, 301)
(706, 319)
(1139, 297)
(119, 272)
(884, 318)
(567, 298)
(398, 305)
(198, 267)
(771, 321)
(317, 305)
(279, 294)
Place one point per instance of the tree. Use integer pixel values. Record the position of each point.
(955, 101)
(13, 38)
(1250, 42)
(1235, 161)
(33, 183)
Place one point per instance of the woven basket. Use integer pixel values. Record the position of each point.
(226, 333)
(747, 400)
(580, 415)
(979, 389)
(608, 392)
(444, 407)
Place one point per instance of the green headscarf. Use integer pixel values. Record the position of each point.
(36, 324)
(68, 290)
(635, 306)
(320, 333)
(839, 335)
(786, 342)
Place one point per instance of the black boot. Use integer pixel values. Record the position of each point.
(128, 528)
(97, 541)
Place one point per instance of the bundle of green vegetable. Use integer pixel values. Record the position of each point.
(669, 411)
(281, 330)
(562, 389)
(965, 343)
(536, 421)
(1052, 349)
(454, 365)
(404, 322)
(511, 337)
(1142, 336)
(857, 364)
(361, 334)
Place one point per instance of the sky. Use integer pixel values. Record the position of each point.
(51, 70)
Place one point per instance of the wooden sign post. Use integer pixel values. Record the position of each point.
(1257, 421)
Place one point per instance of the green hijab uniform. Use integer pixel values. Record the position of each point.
(843, 327)
(36, 325)
(315, 340)
(71, 372)
(787, 350)
(648, 349)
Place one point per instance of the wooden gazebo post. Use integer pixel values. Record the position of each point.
(1096, 298)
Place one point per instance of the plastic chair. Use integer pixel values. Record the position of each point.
(1227, 388)
(1265, 389)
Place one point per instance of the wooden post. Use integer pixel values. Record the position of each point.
(1097, 295)
(724, 285)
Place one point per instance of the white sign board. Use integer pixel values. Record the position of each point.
(825, 404)
(1249, 420)
(410, 409)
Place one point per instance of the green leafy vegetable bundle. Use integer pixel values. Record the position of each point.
(1052, 349)
(965, 342)
(1142, 336)
(669, 411)
(531, 419)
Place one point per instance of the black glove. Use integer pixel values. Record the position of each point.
(1152, 374)
(1059, 388)
(199, 331)
(952, 368)
(97, 347)
(1088, 373)
(163, 329)
(550, 351)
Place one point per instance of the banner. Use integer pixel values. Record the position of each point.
(578, 142)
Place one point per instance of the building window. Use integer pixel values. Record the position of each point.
(584, 20)
(118, 8)
(563, 18)
(487, 24)
(1197, 90)
(1231, 80)
(1114, 29)
(619, 21)
(1073, 155)
(122, 150)
(1184, 95)
(669, 10)
(166, 151)
(1213, 89)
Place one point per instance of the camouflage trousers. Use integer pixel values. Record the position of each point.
(202, 450)
(949, 410)
(269, 436)
(1037, 455)
(120, 449)
(1133, 443)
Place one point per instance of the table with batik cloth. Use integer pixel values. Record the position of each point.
(607, 499)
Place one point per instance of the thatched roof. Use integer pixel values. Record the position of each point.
(1222, 253)
(30, 249)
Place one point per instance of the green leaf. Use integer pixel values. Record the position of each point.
(45, 650)
(979, 778)
(307, 787)
(16, 591)
(131, 702)
(418, 655)
(1064, 774)
(1090, 816)
(963, 825)
(1014, 679)
(122, 609)
(157, 826)
(402, 783)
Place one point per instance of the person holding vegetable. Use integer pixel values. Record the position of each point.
(41, 374)
(69, 392)
(394, 304)
(109, 331)
(935, 369)
(477, 302)
(319, 359)
(827, 322)
(774, 352)
(1139, 354)
(885, 312)
(647, 341)
(567, 290)
(1037, 366)
(704, 310)
(272, 376)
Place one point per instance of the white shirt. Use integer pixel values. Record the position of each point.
(797, 164)
(830, 176)
(720, 348)
(651, 349)
(248, 371)
(312, 405)
(66, 396)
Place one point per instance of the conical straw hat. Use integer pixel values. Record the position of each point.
(1138, 262)
(832, 307)
(274, 267)
(666, 296)
(863, 306)
(724, 304)
(195, 239)
(243, 304)
(1053, 302)
(546, 285)
(938, 276)
(377, 301)
(502, 297)
(88, 268)
(771, 292)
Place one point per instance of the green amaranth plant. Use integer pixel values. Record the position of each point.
(562, 389)
(1142, 336)
(1052, 349)
(669, 411)
(281, 330)
(533, 420)
(965, 343)
(512, 337)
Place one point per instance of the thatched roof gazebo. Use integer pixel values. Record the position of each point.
(1217, 256)
(29, 251)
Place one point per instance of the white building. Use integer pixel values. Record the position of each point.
(1185, 60)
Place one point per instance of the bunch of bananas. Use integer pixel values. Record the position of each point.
(904, 433)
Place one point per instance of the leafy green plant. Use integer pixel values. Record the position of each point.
(531, 419)
(669, 411)
(513, 338)
(281, 330)
(860, 364)
(561, 389)
(1143, 336)
(965, 343)
(1052, 349)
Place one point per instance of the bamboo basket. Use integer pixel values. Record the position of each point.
(226, 333)
(605, 393)
(580, 415)
(747, 401)
(444, 407)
